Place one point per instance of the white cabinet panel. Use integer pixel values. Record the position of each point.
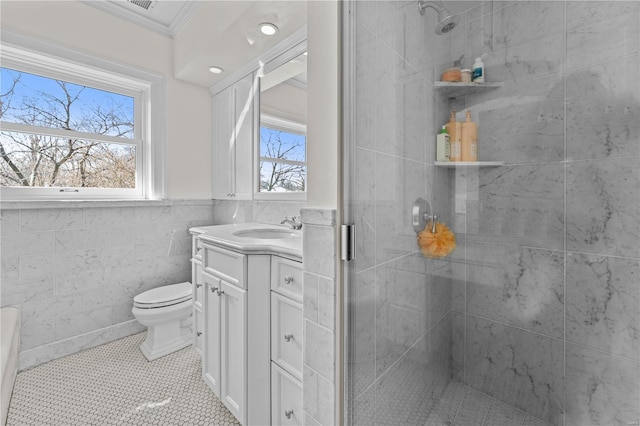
(286, 398)
(198, 336)
(198, 287)
(286, 334)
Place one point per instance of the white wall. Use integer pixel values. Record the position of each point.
(323, 127)
(79, 26)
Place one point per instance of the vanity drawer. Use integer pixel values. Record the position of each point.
(286, 334)
(225, 264)
(286, 277)
(286, 398)
(198, 288)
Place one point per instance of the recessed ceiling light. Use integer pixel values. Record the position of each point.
(216, 70)
(267, 28)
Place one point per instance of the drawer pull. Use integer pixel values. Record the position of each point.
(199, 333)
(214, 289)
(288, 413)
(288, 279)
(288, 337)
(220, 292)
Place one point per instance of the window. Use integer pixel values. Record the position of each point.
(283, 167)
(71, 131)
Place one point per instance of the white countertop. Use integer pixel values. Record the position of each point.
(224, 236)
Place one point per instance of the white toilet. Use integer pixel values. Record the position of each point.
(166, 312)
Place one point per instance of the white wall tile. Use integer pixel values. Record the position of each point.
(310, 297)
(82, 238)
(326, 303)
(319, 351)
(51, 219)
(9, 221)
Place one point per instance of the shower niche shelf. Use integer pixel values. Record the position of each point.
(454, 90)
(457, 164)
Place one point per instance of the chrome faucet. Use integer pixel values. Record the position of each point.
(292, 221)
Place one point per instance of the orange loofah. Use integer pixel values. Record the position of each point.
(438, 244)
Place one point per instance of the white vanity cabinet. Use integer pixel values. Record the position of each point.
(250, 303)
(234, 127)
(286, 341)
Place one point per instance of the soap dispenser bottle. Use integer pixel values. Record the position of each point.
(442, 146)
(454, 128)
(469, 139)
(477, 74)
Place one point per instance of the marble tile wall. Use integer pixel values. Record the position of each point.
(74, 269)
(319, 311)
(545, 289)
(400, 311)
(242, 211)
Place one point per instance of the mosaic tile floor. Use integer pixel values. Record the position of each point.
(114, 384)
(462, 406)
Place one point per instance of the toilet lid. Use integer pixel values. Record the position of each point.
(165, 295)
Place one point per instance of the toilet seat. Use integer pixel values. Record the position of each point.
(163, 296)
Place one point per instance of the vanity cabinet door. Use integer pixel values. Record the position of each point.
(233, 345)
(234, 118)
(211, 359)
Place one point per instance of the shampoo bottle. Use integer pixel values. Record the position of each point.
(469, 139)
(442, 145)
(454, 128)
(477, 74)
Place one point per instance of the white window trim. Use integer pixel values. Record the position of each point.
(286, 126)
(27, 54)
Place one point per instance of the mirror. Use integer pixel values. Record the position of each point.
(283, 130)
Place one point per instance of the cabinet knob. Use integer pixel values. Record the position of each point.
(288, 413)
(198, 285)
(288, 279)
(288, 337)
(199, 333)
(220, 292)
(214, 289)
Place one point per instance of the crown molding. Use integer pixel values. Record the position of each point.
(171, 30)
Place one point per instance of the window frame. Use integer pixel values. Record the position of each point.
(289, 126)
(24, 54)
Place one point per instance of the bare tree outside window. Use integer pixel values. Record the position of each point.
(54, 134)
(282, 161)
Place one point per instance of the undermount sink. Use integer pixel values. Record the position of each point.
(267, 234)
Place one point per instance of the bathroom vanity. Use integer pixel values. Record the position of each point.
(247, 303)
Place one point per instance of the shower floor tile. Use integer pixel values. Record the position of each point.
(462, 406)
(114, 384)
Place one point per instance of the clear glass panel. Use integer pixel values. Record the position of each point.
(533, 318)
(40, 101)
(30, 160)
(282, 165)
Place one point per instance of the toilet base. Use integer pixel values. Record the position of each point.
(165, 339)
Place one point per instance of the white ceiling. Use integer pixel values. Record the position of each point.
(223, 33)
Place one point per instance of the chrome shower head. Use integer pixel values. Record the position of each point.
(446, 20)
